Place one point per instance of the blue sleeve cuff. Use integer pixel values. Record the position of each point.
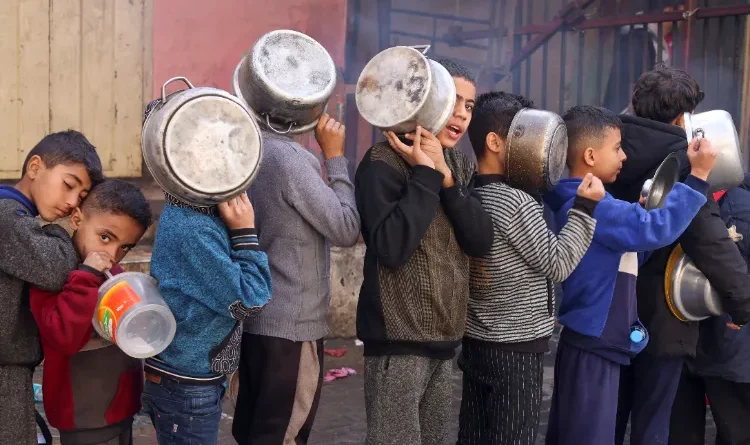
(697, 184)
(244, 239)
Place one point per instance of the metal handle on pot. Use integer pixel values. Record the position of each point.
(268, 123)
(174, 79)
(424, 48)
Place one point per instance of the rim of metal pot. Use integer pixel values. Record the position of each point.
(430, 79)
(261, 118)
(324, 94)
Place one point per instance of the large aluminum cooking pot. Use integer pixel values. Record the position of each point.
(202, 145)
(718, 127)
(286, 81)
(535, 152)
(690, 296)
(400, 89)
(656, 190)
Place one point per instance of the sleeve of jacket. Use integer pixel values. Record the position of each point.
(64, 318)
(395, 212)
(41, 256)
(628, 227)
(706, 241)
(235, 283)
(330, 208)
(471, 223)
(553, 256)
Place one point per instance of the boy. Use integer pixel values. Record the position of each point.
(57, 173)
(420, 220)
(598, 311)
(92, 389)
(300, 216)
(510, 313)
(660, 99)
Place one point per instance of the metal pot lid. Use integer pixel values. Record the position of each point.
(294, 65)
(212, 144)
(667, 174)
(689, 294)
(393, 86)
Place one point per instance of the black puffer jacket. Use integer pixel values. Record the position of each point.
(706, 241)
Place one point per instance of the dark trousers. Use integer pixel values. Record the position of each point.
(279, 390)
(647, 390)
(584, 399)
(730, 406)
(501, 397)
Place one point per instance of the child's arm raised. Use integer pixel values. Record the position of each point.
(554, 256)
(41, 256)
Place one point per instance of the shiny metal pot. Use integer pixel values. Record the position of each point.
(656, 190)
(718, 127)
(400, 89)
(202, 145)
(535, 151)
(689, 294)
(286, 81)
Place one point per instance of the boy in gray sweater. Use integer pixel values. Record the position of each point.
(57, 173)
(298, 217)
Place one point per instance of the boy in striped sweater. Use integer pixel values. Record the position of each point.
(511, 308)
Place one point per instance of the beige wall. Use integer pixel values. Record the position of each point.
(81, 64)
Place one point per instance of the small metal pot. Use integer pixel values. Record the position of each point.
(718, 127)
(690, 296)
(535, 151)
(286, 81)
(656, 190)
(202, 145)
(400, 89)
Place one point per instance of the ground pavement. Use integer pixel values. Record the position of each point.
(341, 416)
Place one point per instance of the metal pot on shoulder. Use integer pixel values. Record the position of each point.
(400, 89)
(718, 127)
(690, 296)
(286, 81)
(535, 151)
(202, 145)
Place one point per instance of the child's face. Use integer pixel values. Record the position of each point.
(466, 95)
(605, 161)
(100, 231)
(58, 190)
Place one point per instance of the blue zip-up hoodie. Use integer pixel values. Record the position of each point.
(212, 279)
(599, 307)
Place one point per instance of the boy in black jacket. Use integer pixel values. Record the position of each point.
(648, 386)
(420, 221)
(57, 174)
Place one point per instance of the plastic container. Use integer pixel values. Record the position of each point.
(133, 315)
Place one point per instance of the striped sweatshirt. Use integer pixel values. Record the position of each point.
(511, 299)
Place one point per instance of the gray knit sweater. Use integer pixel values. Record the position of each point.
(29, 254)
(298, 216)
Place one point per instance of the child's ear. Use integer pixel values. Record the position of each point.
(679, 121)
(495, 144)
(76, 218)
(589, 156)
(34, 166)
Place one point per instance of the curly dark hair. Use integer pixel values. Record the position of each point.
(493, 113)
(457, 69)
(120, 198)
(664, 93)
(66, 148)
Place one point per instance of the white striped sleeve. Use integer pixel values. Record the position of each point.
(554, 256)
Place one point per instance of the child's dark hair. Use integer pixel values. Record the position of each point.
(493, 113)
(665, 93)
(587, 122)
(67, 147)
(120, 198)
(457, 69)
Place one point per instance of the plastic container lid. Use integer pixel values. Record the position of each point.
(146, 331)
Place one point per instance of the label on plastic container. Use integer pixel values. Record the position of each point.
(118, 300)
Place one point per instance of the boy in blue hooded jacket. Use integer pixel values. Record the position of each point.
(598, 310)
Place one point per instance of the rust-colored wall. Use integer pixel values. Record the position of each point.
(204, 40)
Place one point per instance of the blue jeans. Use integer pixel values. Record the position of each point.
(184, 414)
